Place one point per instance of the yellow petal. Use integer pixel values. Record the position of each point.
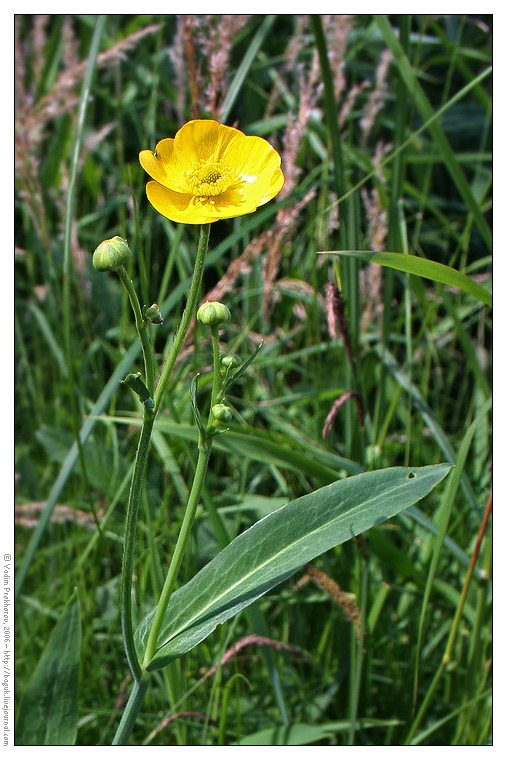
(229, 204)
(202, 140)
(163, 166)
(274, 187)
(179, 207)
(247, 169)
(252, 157)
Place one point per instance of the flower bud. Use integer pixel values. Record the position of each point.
(111, 255)
(154, 315)
(230, 360)
(213, 313)
(222, 413)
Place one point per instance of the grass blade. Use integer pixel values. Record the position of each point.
(431, 270)
(423, 106)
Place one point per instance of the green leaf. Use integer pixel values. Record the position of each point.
(304, 733)
(275, 547)
(431, 270)
(260, 446)
(423, 105)
(48, 709)
(236, 375)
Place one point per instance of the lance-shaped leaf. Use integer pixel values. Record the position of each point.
(276, 546)
(48, 710)
(242, 369)
(431, 270)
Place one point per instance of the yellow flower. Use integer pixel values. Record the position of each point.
(211, 172)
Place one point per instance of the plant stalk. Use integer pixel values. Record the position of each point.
(186, 317)
(141, 677)
(179, 550)
(454, 629)
(142, 326)
(131, 711)
(129, 545)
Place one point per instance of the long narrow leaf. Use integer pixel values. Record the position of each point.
(260, 446)
(239, 78)
(275, 547)
(299, 734)
(48, 709)
(431, 270)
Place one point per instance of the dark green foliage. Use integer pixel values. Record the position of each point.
(417, 184)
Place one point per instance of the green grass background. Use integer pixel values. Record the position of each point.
(392, 117)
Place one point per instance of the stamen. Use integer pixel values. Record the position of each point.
(208, 179)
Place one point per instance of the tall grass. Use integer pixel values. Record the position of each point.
(384, 127)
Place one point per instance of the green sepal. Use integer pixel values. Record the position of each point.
(153, 314)
(134, 382)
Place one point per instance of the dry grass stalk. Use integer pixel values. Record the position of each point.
(62, 97)
(376, 217)
(338, 405)
(177, 58)
(377, 97)
(309, 88)
(216, 44)
(70, 54)
(253, 639)
(277, 240)
(350, 100)
(200, 55)
(39, 39)
(33, 114)
(335, 309)
(371, 275)
(337, 29)
(27, 515)
(189, 23)
(342, 598)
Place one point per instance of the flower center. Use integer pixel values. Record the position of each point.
(208, 179)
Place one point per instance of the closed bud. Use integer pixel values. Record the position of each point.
(213, 313)
(230, 360)
(111, 255)
(222, 413)
(154, 315)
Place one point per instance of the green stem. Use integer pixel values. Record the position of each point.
(185, 530)
(144, 440)
(142, 326)
(130, 543)
(141, 678)
(216, 365)
(186, 317)
(131, 711)
(454, 629)
(193, 500)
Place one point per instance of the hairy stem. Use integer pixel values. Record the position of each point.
(141, 677)
(131, 711)
(186, 317)
(142, 326)
(130, 544)
(185, 530)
